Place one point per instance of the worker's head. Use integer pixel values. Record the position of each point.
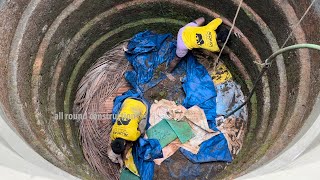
(118, 145)
(222, 34)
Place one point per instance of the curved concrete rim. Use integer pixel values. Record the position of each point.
(19, 160)
(48, 46)
(302, 143)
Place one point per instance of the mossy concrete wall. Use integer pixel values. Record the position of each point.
(47, 46)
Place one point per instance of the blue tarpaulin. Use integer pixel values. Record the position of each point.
(144, 152)
(230, 97)
(146, 51)
(214, 149)
(200, 91)
(198, 87)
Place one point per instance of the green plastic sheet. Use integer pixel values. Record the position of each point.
(167, 131)
(163, 132)
(182, 129)
(128, 175)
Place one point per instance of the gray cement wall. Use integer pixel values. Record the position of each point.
(46, 46)
(19, 161)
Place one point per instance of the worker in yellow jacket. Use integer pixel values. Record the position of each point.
(193, 35)
(130, 121)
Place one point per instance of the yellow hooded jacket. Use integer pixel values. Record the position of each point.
(202, 37)
(127, 122)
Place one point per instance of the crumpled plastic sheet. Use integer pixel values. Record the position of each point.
(146, 51)
(229, 94)
(229, 97)
(196, 118)
(215, 149)
(199, 88)
(144, 152)
(234, 130)
(200, 91)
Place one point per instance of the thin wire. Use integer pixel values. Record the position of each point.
(295, 26)
(225, 43)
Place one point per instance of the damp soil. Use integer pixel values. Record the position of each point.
(171, 89)
(179, 167)
(166, 89)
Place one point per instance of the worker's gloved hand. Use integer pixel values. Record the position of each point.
(142, 126)
(116, 158)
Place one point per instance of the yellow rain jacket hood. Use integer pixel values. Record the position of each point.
(127, 122)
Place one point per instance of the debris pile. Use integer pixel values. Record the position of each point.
(186, 112)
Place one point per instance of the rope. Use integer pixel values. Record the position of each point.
(305, 13)
(225, 43)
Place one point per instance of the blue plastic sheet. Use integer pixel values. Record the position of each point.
(214, 149)
(144, 152)
(198, 87)
(200, 91)
(146, 51)
(230, 97)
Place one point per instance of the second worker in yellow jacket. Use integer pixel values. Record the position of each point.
(130, 121)
(193, 35)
